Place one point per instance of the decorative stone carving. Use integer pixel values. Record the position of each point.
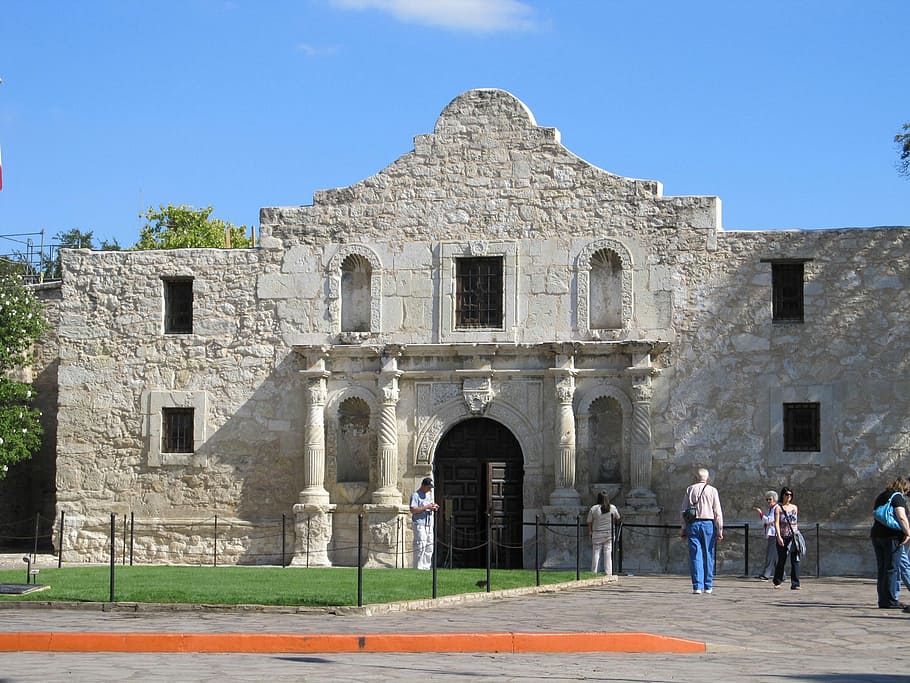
(477, 392)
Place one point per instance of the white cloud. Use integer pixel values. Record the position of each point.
(468, 15)
(315, 51)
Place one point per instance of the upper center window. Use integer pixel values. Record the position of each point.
(478, 292)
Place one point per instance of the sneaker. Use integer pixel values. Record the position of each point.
(697, 591)
(777, 585)
(709, 591)
(795, 588)
(762, 577)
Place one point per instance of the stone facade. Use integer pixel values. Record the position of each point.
(629, 340)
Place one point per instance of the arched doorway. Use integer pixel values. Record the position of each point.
(479, 469)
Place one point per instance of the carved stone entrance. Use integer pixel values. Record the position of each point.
(479, 471)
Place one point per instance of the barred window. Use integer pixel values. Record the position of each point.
(178, 306)
(177, 430)
(478, 292)
(787, 291)
(802, 427)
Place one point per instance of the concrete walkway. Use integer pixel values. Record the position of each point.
(829, 631)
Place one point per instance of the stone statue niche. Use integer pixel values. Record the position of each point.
(355, 294)
(607, 447)
(606, 290)
(353, 448)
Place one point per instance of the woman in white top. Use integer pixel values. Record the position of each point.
(600, 526)
(767, 519)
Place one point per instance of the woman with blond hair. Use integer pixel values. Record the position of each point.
(887, 542)
(767, 519)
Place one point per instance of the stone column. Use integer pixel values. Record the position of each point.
(387, 492)
(314, 449)
(564, 492)
(640, 475)
(641, 501)
(313, 515)
(564, 506)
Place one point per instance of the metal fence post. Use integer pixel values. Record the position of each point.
(113, 550)
(60, 540)
(577, 547)
(435, 551)
(283, 539)
(360, 560)
(746, 552)
(215, 545)
(489, 547)
(132, 535)
(537, 548)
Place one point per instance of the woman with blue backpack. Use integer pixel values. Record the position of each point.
(890, 531)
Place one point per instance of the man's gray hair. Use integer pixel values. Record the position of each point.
(703, 474)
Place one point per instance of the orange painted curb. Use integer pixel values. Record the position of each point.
(61, 641)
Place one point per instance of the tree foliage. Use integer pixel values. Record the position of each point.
(21, 323)
(182, 227)
(903, 145)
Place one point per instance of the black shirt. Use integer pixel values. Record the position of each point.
(879, 530)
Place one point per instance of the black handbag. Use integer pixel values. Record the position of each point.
(690, 514)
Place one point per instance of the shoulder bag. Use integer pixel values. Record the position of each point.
(799, 543)
(690, 514)
(884, 513)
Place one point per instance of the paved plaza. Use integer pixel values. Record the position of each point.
(830, 631)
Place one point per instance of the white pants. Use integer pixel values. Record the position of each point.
(423, 544)
(606, 547)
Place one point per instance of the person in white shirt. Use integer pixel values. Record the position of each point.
(600, 525)
(422, 508)
(703, 531)
(767, 519)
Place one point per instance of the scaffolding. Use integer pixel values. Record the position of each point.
(36, 258)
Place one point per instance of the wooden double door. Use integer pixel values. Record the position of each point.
(479, 473)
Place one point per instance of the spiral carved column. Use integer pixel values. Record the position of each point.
(388, 492)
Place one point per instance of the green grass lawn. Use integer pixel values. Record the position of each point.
(266, 585)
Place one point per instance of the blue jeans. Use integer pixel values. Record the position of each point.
(885, 585)
(902, 570)
(701, 535)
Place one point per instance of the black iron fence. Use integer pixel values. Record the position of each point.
(650, 548)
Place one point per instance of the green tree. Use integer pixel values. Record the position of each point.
(181, 227)
(903, 146)
(21, 323)
(73, 239)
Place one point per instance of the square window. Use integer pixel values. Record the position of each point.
(787, 291)
(478, 292)
(802, 427)
(178, 306)
(177, 430)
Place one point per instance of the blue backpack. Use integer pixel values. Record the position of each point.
(884, 514)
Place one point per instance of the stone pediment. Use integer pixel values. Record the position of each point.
(486, 169)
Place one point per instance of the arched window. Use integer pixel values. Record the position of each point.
(356, 275)
(353, 447)
(606, 290)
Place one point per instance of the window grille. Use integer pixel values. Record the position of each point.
(178, 306)
(787, 286)
(177, 432)
(802, 427)
(478, 292)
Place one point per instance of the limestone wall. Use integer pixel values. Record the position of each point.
(487, 181)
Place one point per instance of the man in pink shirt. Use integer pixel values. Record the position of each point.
(703, 531)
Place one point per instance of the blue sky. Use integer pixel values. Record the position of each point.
(786, 110)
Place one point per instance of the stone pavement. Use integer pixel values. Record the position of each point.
(829, 631)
